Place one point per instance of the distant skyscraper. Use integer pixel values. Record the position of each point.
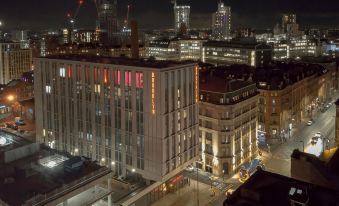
(221, 22)
(181, 16)
(13, 61)
(20, 36)
(108, 18)
(289, 24)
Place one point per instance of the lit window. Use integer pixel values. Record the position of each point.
(62, 72)
(48, 89)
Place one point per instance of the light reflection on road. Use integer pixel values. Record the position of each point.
(315, 149)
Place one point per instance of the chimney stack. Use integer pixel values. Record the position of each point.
(134, 40)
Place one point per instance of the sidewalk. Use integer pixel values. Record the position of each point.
(188, 196)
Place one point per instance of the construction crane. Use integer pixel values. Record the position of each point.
(127, 16)
(72, 19)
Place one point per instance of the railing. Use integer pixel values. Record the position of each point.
(42, 198)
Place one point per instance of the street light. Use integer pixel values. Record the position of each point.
(10, 98)
(323, 139)
(303, 145)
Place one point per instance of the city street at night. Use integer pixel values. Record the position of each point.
(279, 160)
(169, 103)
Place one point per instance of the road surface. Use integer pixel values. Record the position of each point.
(279, 159)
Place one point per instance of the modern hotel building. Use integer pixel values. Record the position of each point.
(134, 116)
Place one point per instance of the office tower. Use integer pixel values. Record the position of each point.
(175, 49)
(132, 115)
(181, 17)
(21, 36)
(247, 52)
(66, 36)
(289, 24)
(108, 21)
(221, 22)
(13, 61)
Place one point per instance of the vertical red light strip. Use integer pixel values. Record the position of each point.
(69, 71)
(137, 80)
(141, 80)
(129, 78)
(119, 77)
(105, 75)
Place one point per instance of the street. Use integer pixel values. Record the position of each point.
(279, 159)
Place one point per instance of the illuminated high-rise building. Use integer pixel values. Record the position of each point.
(13, 61)
(108, 21)
(221, 22)
(181, 16)
(289, 24)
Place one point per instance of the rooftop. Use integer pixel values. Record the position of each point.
(222, 85)
(247, 43)
(266, 189)
(9, 142)
(40, 174)
(147, 63)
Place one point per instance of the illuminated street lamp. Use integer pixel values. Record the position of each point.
(10, 98)
(301, 141)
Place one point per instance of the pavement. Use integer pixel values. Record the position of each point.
(27, 130)
(88, 196)
(188, 196)
(279, 158)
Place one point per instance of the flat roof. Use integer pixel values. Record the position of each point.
(147, 63)
(266, 189)
(43, 173)
(9, 141)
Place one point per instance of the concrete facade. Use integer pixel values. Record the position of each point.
(140, 119)
(13, 61)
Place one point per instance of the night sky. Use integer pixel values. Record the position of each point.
(44, 14)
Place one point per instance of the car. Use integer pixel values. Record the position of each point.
(20, 123)
(309, 123)
(318, 134)
(249, 168)
(313, 142)
(315, 138)
(190, 168)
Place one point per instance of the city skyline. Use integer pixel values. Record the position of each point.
(32, 15)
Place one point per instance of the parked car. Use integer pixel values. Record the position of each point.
(190, 168)
(313, 142)
(318, 134)
(19, 121)
(309, 123)
(249, 168)
(315, 138)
